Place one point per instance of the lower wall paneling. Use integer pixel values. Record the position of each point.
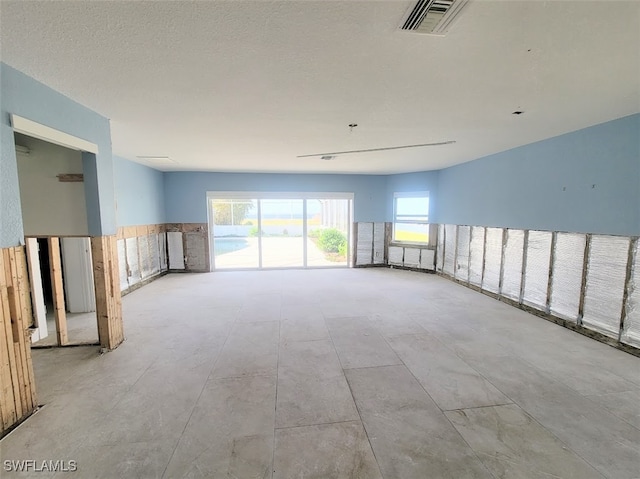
(588, 283)
(142, 255)
(17, 385)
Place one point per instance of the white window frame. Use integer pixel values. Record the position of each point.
(409, 194)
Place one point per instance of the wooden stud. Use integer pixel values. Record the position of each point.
(107, 288)
(58, 291)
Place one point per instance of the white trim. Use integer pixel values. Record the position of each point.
(284, 195)
(46, 133)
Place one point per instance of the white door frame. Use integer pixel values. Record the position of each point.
(37, 293)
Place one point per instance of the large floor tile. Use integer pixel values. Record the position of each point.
(312, 388)
(359, 345)
(451, 382)
(230, 431)
(625, 405)
(251, 349)
(327, 451)
(609, 443)
(410, 436)
(510, 439)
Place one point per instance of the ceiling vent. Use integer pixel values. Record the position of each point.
(432, 17)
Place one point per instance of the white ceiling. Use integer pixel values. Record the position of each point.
(248, 86)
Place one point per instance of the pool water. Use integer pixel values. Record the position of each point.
(228, 245)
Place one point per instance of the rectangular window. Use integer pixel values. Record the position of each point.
(411, 217)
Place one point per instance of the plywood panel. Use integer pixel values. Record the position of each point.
(108, 297)
(17, 383)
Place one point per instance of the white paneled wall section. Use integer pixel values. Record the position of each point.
(590, 283)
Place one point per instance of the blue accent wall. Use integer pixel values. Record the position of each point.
(26, 97)
(585, 181)
(413, 182)
(139, 193)
(185, 192)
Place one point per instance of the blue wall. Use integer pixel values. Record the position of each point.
(548, 185)
(185, 192)
(24, 96)
(139, 193)
(408, 182)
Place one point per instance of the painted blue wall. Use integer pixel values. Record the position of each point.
(413, 182)
(24, 96)
(185, 192)
(549, 185)
(139, 193)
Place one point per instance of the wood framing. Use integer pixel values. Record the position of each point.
(17, 385)
(57, 286)
(107, 286)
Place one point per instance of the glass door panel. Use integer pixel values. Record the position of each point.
(328, 224)
(235, 233)
(282, 233)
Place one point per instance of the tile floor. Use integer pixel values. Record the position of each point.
(343, 373)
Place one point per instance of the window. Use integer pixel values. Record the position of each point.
(411, 217)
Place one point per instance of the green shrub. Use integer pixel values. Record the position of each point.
(331, 240)
(342, 251)
(314, 233)
(254, 231)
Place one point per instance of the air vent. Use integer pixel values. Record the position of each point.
(432, 16)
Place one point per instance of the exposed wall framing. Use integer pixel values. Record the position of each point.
(587, 283)
(142, 255)
(107, 286)
(194, 240)
(17, 385)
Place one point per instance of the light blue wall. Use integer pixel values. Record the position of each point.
(139, 193)
(408, 182)
(24, 96)
(548, 185)
(185, 192)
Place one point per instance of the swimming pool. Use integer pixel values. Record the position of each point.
(228, 245)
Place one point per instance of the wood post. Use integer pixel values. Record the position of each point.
(58, 291)
(107, 286)
(17, 384)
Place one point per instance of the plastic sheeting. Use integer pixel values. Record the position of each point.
(606, 275)
(154, 251)
(378, 243)
(412, 257)
(567, 275)
(512, 271)
(449, 248)
(133, 261)
(631, 330)
(395, 255)
(440, 249)
(145, 256)
(426, 259)
(492, 260)
(536, 277)
(365, 243)
(162, 245)
(462, 257)
(122, 264)
(476, 255)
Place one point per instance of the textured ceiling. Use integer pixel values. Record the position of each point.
(248, 86)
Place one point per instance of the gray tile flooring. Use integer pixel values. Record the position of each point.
(322, 374)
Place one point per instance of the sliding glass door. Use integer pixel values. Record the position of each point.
(286, 230)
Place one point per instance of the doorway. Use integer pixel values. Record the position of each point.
(279, 230)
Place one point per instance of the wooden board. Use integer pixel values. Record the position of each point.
(57, 287)
(17, 384)
(107, 286)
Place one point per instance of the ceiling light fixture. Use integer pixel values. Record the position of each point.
(335, 153)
